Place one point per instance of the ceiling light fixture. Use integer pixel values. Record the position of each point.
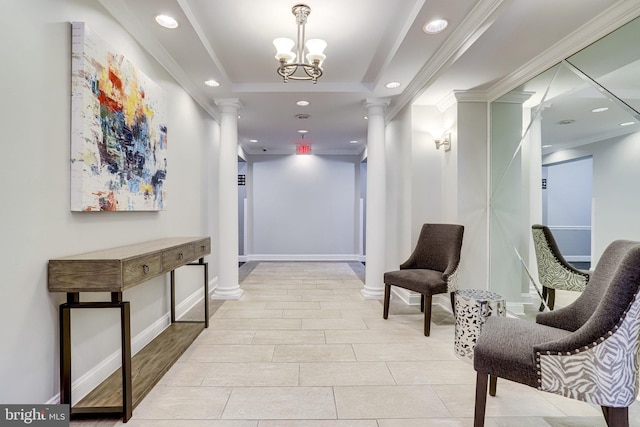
(166, 21)
(212, 83)
(302, 103)
(392, 85)
(287, 56)
(627, 123)
(599, 109)
(435, 26)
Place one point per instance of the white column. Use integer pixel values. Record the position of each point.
(376, 197)
(228, 283)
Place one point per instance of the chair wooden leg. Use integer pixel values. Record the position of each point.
(422, 303)
(387, 297)
(551, 301)
(616, 417)
(544, 298)
(427, 315)
(481, 399)
(493, 385)
(453, 303)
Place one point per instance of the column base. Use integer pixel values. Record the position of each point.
(372, 293)
(222, 294)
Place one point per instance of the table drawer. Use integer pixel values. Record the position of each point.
(202, 247)
(175, 257)
(140, 269)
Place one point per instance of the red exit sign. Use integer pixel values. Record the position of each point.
(303, 149)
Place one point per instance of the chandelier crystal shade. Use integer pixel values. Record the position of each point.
(291, 55)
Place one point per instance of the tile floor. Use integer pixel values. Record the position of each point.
(303, 348)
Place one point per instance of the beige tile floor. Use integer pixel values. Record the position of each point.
(303, 348)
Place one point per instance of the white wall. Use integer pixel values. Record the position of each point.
(398, 215)
(35, 82)
(304, 207)
(616, 177)
(471, 191)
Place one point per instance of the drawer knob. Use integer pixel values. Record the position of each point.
(180, 256)
(203, 247)
(145, 268)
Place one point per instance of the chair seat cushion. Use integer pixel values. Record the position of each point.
(426, 282)
(505, 348)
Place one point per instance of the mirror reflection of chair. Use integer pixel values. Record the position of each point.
(431, 268)
(587, 351)
(554, 272)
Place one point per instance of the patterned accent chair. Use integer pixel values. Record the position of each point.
(554, 272)
(431, 269)
(589, 350)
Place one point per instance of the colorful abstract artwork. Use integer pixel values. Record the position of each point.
(119, 133)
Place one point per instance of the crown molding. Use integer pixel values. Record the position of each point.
(471, 95)
(613, 18)
(472, 27)
(119, 10)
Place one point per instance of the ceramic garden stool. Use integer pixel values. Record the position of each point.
(473, 306)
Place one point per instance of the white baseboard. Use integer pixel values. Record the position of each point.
(90, 380)
(516, 308)
(413, 298)
(577, 258)
(303, 257)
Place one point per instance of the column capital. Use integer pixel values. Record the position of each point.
(376, 105)
(515, 97)
(471, 95)
(228, 105)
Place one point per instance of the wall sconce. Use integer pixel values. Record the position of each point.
(443, 141)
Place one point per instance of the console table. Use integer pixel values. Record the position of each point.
(115, 270)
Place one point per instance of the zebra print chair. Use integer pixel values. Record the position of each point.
(554, 272)
(589, 350)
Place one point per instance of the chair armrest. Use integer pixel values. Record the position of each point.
(606, 367)
(561, 318)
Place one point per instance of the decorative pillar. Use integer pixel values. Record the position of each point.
(228, 283)
(376, 200)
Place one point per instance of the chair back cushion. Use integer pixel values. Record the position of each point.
(553, 270)
(612, 288)
(438, 247)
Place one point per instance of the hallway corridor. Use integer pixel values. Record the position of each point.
(303, 348)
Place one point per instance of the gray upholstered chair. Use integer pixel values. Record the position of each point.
(554, 272)
(589, 350)
(431, 268)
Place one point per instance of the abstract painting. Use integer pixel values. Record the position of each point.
(119, 132)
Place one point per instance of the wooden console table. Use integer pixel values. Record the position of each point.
(115, 270)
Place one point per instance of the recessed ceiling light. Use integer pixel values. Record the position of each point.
(302, 103)
(435, 26)
(167, 21)
(627, 123)
(253, 140)
(212, 83)
(392, 85)
(547, 146)
(599, 109)
(302, 131)
(366, 118)
(353, 141)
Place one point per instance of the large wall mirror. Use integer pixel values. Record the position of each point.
(565, 152)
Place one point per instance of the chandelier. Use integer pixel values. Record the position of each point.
(292, 60)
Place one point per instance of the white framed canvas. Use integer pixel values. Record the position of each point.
(119, 132)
